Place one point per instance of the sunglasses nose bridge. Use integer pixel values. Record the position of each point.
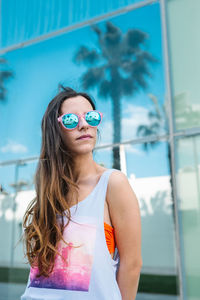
(82, 121)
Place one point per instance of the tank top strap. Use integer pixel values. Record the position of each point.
(100, 194)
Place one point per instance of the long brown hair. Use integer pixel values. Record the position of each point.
(53, 181)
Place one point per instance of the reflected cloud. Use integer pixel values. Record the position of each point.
(131, 149)
(13, 147)
(136, 110)
(129, 124)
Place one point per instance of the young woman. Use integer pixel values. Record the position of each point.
(83, 230)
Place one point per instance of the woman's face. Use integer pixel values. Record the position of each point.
(71, 138)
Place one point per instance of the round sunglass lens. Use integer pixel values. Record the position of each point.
(70, 121)
(93, 118)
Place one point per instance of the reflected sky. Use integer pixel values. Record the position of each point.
(39, 68)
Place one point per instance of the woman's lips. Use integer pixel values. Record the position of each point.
(85, 138)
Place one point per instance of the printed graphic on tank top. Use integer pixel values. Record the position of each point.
(86, 270)
(73, 271)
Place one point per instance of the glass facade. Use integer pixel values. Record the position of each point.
(127, 73)
(188, 181)
(183, 21)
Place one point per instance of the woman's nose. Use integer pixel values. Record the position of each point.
(82, 123)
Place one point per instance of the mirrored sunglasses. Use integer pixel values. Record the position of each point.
(70, 121)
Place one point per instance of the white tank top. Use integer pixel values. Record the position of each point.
(88, 272)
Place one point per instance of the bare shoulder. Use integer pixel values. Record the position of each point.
(118, 185)
(116, 177)
(121, 197)
(125, 216)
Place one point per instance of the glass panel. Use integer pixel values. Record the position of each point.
(17, 191)
(127, 82)
(147, 169)
(183, 23)
(148, 173)
(23, 20)
(188, 189)
(131, 98)
(7, 177)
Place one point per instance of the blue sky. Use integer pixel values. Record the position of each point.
(39, 68)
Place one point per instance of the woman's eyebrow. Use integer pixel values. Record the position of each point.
(81, 113)
(70, 112)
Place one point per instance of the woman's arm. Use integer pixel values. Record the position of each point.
(125, 217)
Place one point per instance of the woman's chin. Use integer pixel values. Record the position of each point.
(84, 149)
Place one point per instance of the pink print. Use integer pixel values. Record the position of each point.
(74, 271)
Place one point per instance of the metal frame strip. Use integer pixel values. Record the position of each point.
(77, 26)
(172, 143)
(152, 138)
(132, 141)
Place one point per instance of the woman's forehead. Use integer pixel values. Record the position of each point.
(77, 104)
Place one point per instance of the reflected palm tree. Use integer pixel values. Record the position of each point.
(157, 122)
(158, 125)
(118, 67)
(159, 204)
(5, 205)
(4, 75)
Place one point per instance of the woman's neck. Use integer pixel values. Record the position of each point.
(84, 166)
